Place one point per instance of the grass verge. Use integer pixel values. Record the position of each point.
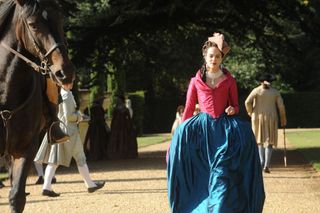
(151, 139)
(308, 143)
(4, 176)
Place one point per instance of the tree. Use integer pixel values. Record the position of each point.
(155, 45)
(133, 29)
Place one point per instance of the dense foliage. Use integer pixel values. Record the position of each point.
(148, 43)
(155, 45)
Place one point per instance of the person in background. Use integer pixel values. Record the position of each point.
(129, 106)
(197, 110)
(123, 139)
(98, 134)
(178, 120)
(213, 163)
(262, 105)
(61, 154)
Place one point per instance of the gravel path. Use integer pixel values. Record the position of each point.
(294, 189)
(139, 185)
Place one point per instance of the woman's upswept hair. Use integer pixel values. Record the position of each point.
(205, 48)
(207, 45)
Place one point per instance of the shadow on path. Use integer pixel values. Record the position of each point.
(147, 160)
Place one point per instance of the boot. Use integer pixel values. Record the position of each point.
(55, 133)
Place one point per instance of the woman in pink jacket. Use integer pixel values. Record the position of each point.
(213, 160)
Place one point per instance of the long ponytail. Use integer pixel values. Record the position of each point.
(203, 71)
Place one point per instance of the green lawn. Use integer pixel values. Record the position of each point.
(307, 142)
(3, 176)
(147, 140)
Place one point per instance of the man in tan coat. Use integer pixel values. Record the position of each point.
(262, 104)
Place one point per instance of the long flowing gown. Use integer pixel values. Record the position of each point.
(213, 161)
(123, 140)
(98, 135)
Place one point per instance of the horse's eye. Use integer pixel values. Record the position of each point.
(32, 25)
(32, 22)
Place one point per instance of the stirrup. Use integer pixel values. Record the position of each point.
(53, 141)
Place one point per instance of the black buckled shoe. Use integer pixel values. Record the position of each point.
(99, 185)
(266, 170)
(40, 180)
(1, 184)
(54, 180)
(49, 193)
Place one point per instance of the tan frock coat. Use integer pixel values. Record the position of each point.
(262, 105)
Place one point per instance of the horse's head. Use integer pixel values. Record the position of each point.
(39, 28)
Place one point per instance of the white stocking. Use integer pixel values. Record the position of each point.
(268, 156)
(49, 173)
(261, 150)
(84, 172)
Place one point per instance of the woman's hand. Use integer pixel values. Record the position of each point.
(230, 110)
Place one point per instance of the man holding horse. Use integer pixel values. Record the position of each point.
(61, 154)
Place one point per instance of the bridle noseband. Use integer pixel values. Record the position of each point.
(44, 65)
(43, 68)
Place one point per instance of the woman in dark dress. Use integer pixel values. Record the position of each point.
(98, 134)
(123, 141)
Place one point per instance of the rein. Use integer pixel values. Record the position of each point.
(35, 66)
(43, 68)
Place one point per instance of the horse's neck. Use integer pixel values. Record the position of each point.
(14, 76)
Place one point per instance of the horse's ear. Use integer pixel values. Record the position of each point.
(20, 2)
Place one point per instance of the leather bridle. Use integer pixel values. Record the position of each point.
(44, 67)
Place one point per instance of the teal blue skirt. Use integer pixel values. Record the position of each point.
(213, 166)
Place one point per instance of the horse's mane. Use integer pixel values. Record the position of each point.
(6, 8)
(30, 7)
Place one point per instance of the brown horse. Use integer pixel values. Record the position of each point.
(32, 43)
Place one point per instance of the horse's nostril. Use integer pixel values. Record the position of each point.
(60, 74)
